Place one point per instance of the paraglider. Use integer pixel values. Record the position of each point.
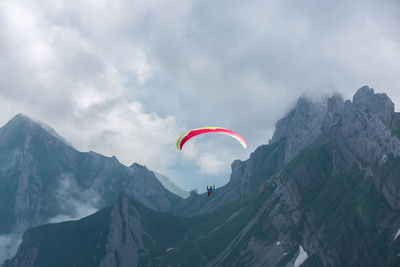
(210, 189)
(192, 133)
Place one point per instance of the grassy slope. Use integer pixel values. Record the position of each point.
(169, 185)
(75, 243)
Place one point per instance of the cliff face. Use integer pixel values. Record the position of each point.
(122, 244)
(301, 127)
(363, 126)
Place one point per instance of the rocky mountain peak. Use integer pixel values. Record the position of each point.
(141, 169)
(24, 126)
(21, 117)
(301, 126)
(20, 121)
(138, 166)
(362, 127)
(310, 120)
(334, 100)
(371, 103)
(364, 92)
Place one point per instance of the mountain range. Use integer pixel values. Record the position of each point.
(325, 191)
(44, 179)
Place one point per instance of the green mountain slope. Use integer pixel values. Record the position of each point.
(170, 186)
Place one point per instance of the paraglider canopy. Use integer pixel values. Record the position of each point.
(192, 133)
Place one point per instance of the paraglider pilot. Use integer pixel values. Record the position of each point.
(210, 189)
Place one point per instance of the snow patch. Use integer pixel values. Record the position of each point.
(277, 243)
(397, 235)
(169, 249)
(301, 258)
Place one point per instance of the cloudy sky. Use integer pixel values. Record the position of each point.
(126, 77)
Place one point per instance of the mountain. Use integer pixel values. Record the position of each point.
(42, 178)
(246, 176)
(129, 234)
(169, 185)
(298, 129)
(336, 202)
(338, 221)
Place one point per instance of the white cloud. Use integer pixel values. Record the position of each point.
(73, 202)
(81, 66)
(8, 246)
(77, 87)
(209, 164)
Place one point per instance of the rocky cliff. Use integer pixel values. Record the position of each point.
(301, 127)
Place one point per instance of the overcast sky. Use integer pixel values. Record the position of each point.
(126, 77)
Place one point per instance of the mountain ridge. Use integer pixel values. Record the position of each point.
(42, 178)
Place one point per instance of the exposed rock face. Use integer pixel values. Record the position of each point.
(363, 126)
(300, 127)
(364, 123)
(371, 104)
(122, 247)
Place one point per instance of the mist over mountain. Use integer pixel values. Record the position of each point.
(323, 192)
(44, 179)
